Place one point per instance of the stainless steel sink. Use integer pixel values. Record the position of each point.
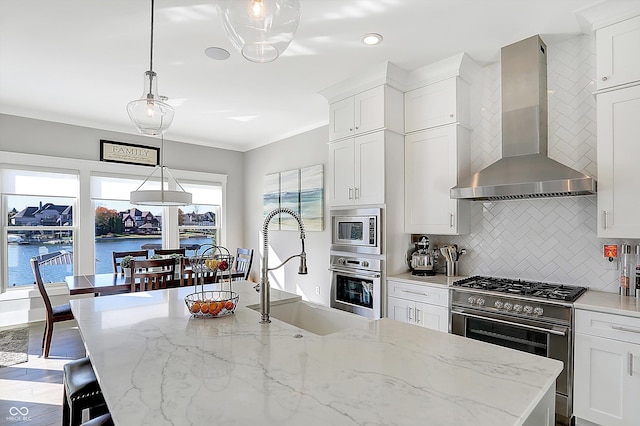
(314, 318)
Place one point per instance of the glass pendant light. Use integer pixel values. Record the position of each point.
(260, 29)
(150, 114)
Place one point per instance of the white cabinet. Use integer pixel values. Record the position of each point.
(617, 57)
(607, 368)
(618, 152)
(364, 112)
(434, 161)
(417, 304)
(440, 103)
(358, 167)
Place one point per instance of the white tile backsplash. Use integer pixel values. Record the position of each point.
(554, 239)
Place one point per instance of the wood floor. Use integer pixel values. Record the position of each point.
(37, 383)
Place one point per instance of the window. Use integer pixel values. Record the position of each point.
(120, 225)
(199, 224)
(38, 220)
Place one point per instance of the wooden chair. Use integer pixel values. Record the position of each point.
(152, 274)
(54, 313)
(244, 260)
(118, 255)
(165, 252)
(81, 391)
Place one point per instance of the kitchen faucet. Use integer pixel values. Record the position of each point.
(265, 298)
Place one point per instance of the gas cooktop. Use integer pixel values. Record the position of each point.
(566, 293)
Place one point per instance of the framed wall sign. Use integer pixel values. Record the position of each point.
(128, 153)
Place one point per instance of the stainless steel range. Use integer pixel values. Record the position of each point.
(533, 317)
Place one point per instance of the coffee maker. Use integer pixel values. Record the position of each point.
(421, 260)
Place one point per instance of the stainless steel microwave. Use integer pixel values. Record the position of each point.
(356, 230)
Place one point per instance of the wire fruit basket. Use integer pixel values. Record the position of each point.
(211, 304)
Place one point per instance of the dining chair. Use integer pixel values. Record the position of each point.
(118, 255)
(55, 313)
(244, 260)
(153, 274)
(165, 252)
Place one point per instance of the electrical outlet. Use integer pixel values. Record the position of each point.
(318, 290)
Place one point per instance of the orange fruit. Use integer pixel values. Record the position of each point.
(195, 308)
(212, 307)
(229, 305)
(204, 308)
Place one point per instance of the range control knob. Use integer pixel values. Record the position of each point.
(365, 263)
(480, 301)
(517, 308)
(498, 304)
(528, 309)
(538, 311)
(471, 300)
(341, 261)
(508, 306)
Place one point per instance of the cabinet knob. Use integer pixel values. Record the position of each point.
(605, 78)
(451, 115)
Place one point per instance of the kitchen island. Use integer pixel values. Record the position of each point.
(157, 365)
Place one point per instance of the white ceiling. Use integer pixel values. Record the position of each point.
(81, 61)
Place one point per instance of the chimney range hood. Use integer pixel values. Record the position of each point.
(524, 171)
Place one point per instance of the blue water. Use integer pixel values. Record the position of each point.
(19, 254)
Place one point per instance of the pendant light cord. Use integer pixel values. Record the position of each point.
(151, 47)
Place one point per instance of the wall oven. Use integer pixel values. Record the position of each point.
(356, 285)
(527, 316)
(356, 230)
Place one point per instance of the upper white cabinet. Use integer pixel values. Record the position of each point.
(434, 161)
(440, 103)
(618, 152)
(618, 57)
(607, 368)
(423, 305)
(371, 110)
(358, 169)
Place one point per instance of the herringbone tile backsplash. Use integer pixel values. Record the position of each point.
(552, 240)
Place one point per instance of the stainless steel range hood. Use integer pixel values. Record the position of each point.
(524, 171)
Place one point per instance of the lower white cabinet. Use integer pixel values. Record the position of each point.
(607, 369)
(423, 305)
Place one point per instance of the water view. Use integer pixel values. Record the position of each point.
(19, 254)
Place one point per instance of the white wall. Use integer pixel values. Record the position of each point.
(303, 150)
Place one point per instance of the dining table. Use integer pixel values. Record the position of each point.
(114, 283)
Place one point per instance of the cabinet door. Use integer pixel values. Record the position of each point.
(432, 316)
(431, 170)
(341, 159)
(369, 168)
(369, 110)
(431, 106)
(617, 58)
(401, 310)
(606, 381)
(618, 154)
(341, 119)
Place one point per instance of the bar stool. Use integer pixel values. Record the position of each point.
(103, 420)
(81, 391)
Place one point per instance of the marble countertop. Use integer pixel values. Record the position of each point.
(435, 280)
(157, 365)
(609, 303)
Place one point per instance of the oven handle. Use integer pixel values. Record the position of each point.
(356, 273)
(558, 331)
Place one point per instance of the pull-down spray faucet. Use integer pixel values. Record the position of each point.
(265, 297)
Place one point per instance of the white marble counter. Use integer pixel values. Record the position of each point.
(159, 366)
(610, 303)
(435, 280)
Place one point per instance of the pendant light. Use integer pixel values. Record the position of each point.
(150, 114)
(161, 197)
(260, 29)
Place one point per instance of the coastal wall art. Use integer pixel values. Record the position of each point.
(301, 190)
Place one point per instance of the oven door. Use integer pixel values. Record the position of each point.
(356, 291)
(528, 335)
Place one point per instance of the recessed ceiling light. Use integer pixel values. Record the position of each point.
(217, 53)
(371, 39)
